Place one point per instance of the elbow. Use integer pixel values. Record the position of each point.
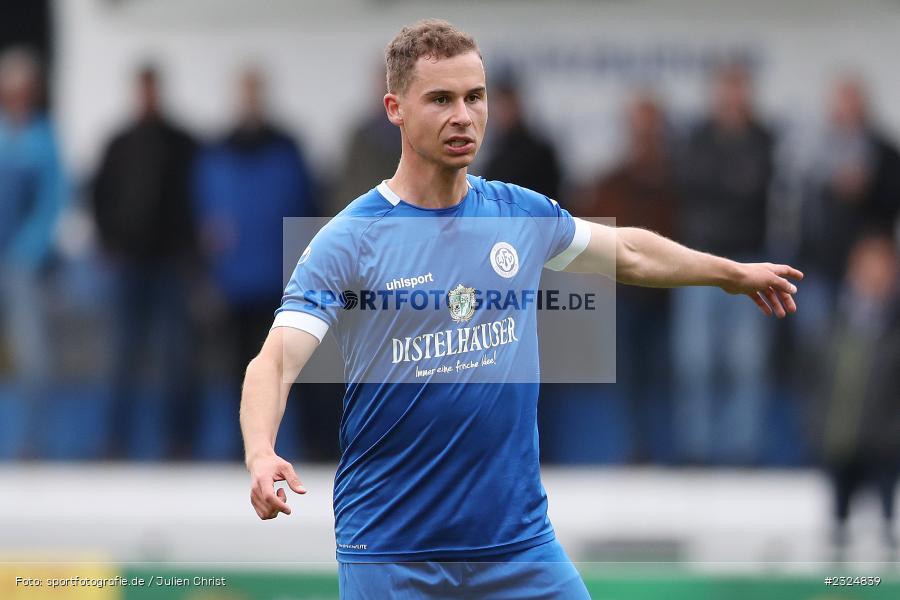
(262, 363)
(628, 259)
(252, 366)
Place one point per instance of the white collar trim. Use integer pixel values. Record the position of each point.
(393, 198)
(388, 193)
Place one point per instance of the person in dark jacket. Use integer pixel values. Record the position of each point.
(721, 349)
(859, 407)
(518, 154)
(142, 205)
(371, 152)
(641, 191)
(854, 186)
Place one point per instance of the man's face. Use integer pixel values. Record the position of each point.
(147, 95)
(848, 105)
(18, 92)
(732, 97)
(444, 110)
(251, 105)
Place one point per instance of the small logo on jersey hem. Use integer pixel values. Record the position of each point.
(505, 260)
(461, 302)
(353, 546)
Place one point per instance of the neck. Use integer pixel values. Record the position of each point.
(16, 118)
(251, 121)
(428, 185)
(733, 121)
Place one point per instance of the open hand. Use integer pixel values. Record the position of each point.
(767, 285)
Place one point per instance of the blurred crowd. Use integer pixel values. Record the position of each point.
(142, 349)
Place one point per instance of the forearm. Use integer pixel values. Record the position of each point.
(263, 401)
(647, 259)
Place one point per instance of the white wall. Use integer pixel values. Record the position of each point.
(729, 521)
(577, 56)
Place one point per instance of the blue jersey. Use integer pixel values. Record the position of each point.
(435, 316)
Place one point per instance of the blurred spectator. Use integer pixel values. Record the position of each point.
(143, 210)
(517, 153)
(372, 151)
(861, 381)
(726, 170)
(641, 192)
(32, 192)
(244, 186)
(855, 185)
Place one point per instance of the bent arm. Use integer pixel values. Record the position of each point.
(637, 256)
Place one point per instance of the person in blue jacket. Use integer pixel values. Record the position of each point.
(32, 191)
(245, 184)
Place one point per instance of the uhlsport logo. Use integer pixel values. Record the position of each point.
(461, 302)
(505, 260)
(405, 282)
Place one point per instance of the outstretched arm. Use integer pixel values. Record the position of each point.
(266, 386)
(641, 257)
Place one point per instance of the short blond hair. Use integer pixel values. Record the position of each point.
(432, 38)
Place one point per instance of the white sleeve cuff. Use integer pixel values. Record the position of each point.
(302, 321)
(579, 243)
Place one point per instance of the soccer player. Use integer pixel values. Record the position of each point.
(438, 491)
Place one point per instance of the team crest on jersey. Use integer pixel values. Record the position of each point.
(505, 260)
(461, 301)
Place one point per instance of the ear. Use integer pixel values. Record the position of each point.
(393, 110)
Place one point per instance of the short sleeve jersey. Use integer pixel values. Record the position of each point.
(431, 312)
